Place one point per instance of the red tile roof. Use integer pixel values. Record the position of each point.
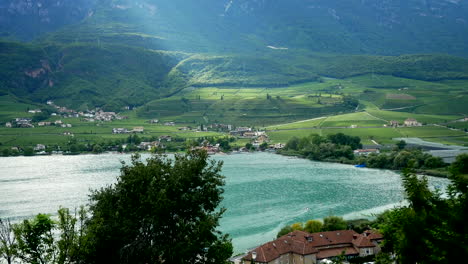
(304, 243)
(373, 235)
(362, 241)
(294, 242)
(333, 252)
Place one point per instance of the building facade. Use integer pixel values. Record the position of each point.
(300, 247)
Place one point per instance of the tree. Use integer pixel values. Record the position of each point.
(297, 226)
(313, 226)
(433, 162)
(292, 144)
(332, 223)
(71, 229)
(431, 228)
(74, 149)
(402, 159)
(97, 149)
(460, 165)
(6, 152)
(285, 230)
(249, 146)
(401, 145)
(35, 240)
(28, 151)
(8, 246)
(160, 211)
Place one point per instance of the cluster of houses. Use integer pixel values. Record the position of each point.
(155, 144)
(90, 115)
(27, 123)
(35, 111)
(127, 131)
(305, 248)
(410, 122)
(209, 148)
(20, 122)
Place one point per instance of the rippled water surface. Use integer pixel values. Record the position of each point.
(263, 191)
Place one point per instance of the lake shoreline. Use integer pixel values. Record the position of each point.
(417, 171)
(421, 172)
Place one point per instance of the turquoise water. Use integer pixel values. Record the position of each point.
(263, 191)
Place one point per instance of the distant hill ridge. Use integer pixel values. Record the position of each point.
(389, 27)
(114, 53)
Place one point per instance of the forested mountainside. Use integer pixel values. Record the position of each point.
(389, 27)
(114, 53)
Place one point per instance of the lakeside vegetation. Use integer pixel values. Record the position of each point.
(431, 228)
(339, 148)
(132, 221)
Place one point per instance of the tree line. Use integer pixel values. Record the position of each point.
(323, 148)
(340, 147)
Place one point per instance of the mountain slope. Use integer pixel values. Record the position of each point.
(84, 76)
(27, 19)
(390, 27)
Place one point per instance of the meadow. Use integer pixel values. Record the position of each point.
(321, 106)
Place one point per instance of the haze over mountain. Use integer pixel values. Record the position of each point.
(353, 26)
(111, 53)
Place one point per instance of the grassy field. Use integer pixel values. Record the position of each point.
(246, 106)
(11, 108)
(402, 116)
(381, 135)
(284, 110)
(384, 97)
(90, 132)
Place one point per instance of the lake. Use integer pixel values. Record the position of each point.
(263, 191)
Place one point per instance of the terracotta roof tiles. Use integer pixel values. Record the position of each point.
(303, 243)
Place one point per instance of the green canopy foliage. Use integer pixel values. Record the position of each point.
(432, 228)
(161, 210)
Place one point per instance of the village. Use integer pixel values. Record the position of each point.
(253, 138)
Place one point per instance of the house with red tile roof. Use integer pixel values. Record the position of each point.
(304, 248)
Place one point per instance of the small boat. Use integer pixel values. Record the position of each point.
(360, 166)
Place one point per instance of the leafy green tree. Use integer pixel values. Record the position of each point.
(74, 149)
(297, 226)
(342, 139)
(160, 211)
(28, 151)
(8, 245)
(285, 230)
(71, 229)
(460, 165)
(401, 145)
(292, 144)
(249, 146)
(431, 229)
(6, 152)
(402, 159)
(35, 240)
(383, 258)
(263, 146)
(313, 226)
(332, 223)
(433, 162)
(97, 149)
